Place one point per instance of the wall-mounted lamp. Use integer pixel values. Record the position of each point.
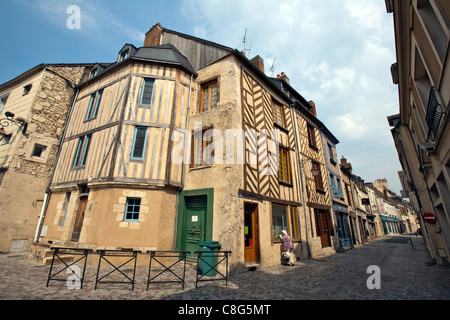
(314, 171)
(19, 121)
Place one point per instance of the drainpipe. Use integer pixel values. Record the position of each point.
(301, 179)
(183, 164)
(48, 192)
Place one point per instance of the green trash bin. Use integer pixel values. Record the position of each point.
(208, 260)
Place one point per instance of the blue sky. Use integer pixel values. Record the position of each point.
(336, 53)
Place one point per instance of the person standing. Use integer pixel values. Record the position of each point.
(288, 247)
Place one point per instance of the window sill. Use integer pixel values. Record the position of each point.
(200, 167)
(313, 147)
(286, 184)
(276, 125)
(320, 191)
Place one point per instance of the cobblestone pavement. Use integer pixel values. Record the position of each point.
(405, 275)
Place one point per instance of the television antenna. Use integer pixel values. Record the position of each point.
(272, 68)
(244, 41)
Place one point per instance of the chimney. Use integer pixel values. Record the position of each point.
(313, 108)
(258, 62)
(284, 77)
(345, 164)
(153, 36)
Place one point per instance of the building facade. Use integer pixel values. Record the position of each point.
(340, 207)
(115, 184)
(420, 130)
(33, 111)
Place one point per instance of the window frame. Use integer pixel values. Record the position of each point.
(42, 153)
(124, 55)
(293, 222)
(6, 139)
(84, 143)
(94, 104)
(132, 157)
(205, 144)
(318, 179)
(312, 137)
(277, 111)
(3, 100)
(66, 207)
(210, 99)
(153, 80)
(282, 166)
(126, 217)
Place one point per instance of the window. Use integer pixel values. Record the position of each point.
(65, 206)
(82, 151)
(284, 174)
(331, 153)
(124, 55)
(312, 136)
(132, 209)
(347, 191)
(147, 92)
(27, 89)
(6, 139)
(39, 151)
(318, 177)
(278, 116)
(209, 96)
(279, 220)
(94, 73)
(203, 144)
(94, 103)
(140, 138)
(333, 186)
(339, 188)
(3, 101)
(295, 224)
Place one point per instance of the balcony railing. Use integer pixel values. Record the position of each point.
(434, 115)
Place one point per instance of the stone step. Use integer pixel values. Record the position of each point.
(66, 258)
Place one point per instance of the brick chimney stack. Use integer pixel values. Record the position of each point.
(313, 108)
(258, 62)
(283, 77)
(345, 164)
(153, 36)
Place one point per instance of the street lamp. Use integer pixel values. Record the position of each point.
(5, 122)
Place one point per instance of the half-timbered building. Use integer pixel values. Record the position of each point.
(185, 140)
(114, 184)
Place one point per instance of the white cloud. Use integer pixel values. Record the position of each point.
(96, 19)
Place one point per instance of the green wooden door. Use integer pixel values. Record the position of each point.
(195, 222)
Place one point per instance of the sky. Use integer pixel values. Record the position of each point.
(335, 53)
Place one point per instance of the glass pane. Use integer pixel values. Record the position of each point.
(139, 143)
(280, 220)
(147, 91)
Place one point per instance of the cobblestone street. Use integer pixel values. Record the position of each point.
(405, 275)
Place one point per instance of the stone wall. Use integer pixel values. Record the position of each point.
(25, 182)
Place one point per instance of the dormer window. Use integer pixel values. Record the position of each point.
(94, 72)
(124, 55)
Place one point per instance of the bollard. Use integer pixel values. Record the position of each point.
(410, 240)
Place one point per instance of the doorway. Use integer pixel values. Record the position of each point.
(195, 215)
(323, 227)
(79, 218)
(251, 232)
